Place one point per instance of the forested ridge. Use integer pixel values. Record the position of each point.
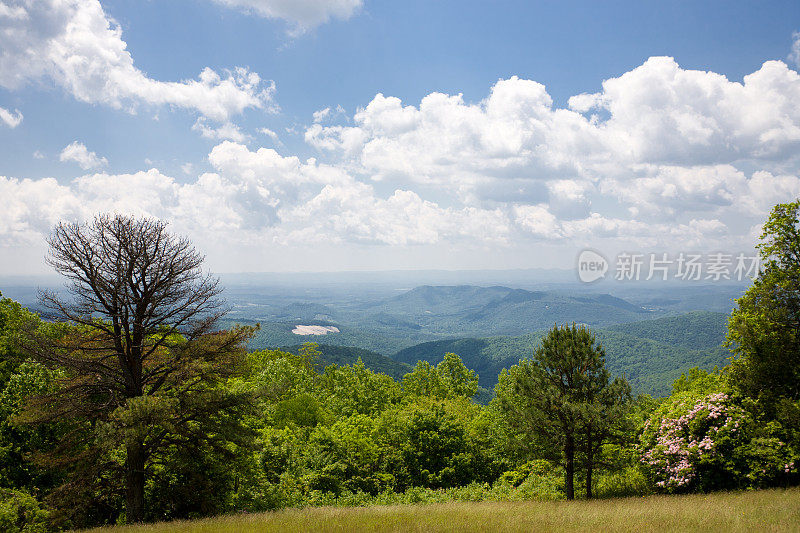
(651, 353)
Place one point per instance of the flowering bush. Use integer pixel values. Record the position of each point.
(710, 444)
(699, 440)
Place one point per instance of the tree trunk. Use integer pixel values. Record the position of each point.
(589, 462)
(134, 497)
(569, 453)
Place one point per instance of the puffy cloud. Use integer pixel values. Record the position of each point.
(32, 207)
(321, 115)
(78, 153)
(693, 233)
(327, 113)
(659, 150)
(764, 190)
(352, 212)
(251, 197)
(269, 133)
(661, 113)
(515, 133)
(74, 44)
(672, 190)
(661, 156)
(306, 202)
(538, 220)
(12, 120)
(658, 113)
(570, 198)
(667, 190)
(301, 14)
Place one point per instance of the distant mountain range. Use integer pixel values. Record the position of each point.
(501, 310)
(493, 327)
(650, 354)
(651, 333)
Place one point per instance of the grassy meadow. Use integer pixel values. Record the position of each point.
(764, 510)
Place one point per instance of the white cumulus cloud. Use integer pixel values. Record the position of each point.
(77, 152)
(251, 197)
(660, 156)
(660, 151)
(78, 47)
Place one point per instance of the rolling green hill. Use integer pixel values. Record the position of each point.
(650, 353)
(470, 310)
(631, 350)
(696, 330)
(492, 328)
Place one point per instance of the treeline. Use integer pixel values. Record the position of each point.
(125, 411)
(649, 365)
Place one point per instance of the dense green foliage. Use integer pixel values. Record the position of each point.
(649, 353)
(698, 330)
(344, 355)
(348, 435)
(21, 513)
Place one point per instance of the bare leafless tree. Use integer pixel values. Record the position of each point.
(140, 319)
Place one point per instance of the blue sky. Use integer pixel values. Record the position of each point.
(522, 178)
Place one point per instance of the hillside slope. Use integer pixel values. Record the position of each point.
(696, 330)
(470, 310)
(650, 365)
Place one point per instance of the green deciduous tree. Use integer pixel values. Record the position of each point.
(351, 389)
(764, 329)
(14, 321)
(564, 399)
(450, 378)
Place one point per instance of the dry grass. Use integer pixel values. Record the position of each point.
(767, 510)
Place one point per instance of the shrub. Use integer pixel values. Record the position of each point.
(628, 482)
(21, 513)
(692, 446)
(713, 444)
